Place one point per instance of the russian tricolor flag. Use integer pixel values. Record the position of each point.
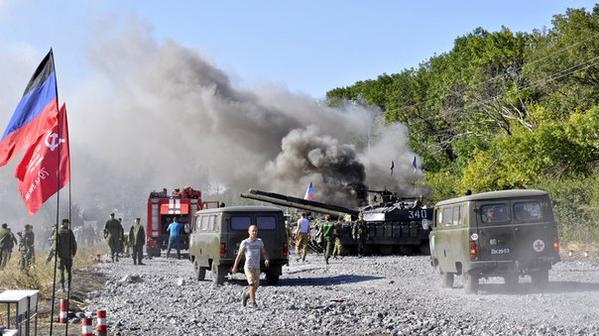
(35, 113)
(310, 193)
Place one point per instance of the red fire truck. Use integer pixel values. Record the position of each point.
(164, 207)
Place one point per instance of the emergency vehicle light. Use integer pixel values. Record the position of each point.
(556, 244)
(223, 249)
(473, 249)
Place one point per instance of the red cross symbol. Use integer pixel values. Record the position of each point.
(538, 245)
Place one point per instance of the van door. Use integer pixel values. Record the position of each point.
(496, 234)
(535, 230)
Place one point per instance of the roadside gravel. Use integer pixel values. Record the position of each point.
(353, 296)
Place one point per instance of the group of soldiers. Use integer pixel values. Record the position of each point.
(64, 247)
(24, 245)
(329, 236)
(119, 242)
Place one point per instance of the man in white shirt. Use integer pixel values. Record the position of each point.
(302, 234)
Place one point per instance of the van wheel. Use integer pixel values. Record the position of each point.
(218, 274)
(272, 278)
(447, 280)
(200, 271)
(470, 283)
(540, 278)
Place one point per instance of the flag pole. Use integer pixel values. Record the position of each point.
(57, 214)
(62, 131)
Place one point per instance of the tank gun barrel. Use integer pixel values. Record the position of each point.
(299, 203)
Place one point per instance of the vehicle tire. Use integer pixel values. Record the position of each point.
(447, 280)
(540, 278)
(200, 271)
(218, 274)
(272, 278)
(511, 280)
(470, 283)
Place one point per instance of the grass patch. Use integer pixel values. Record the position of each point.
(40, 276)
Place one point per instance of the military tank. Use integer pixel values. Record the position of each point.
(395, 225)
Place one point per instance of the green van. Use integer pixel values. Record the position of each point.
(217, 233)
(508, 234)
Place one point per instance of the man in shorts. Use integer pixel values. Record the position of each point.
(251, 247)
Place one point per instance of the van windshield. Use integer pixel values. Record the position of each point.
(528, 211)
(242, 223)
(494, 213)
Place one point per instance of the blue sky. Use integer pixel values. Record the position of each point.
(307, 46)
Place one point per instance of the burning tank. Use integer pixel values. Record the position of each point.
(395, 225)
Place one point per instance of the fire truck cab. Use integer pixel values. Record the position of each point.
(163, 207)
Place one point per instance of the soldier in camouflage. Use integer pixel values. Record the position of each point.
(338, 234)
(137, 240)
(6, 240)
(113, 233)
(26, 248)
(326, 232)
(360, 233)
(51, 239)
(66, 248)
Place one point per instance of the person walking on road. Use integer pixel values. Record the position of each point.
(66, 248)
(359, 233)
(137, 240)
(338, 234)
(174, 239)
(113, 233)
(251, 248)
(302, 235)
(326, 232)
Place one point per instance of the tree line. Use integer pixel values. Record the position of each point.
(504, 110)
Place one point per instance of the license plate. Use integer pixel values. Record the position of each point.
(500, 251)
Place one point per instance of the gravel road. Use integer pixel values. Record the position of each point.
(354, 296)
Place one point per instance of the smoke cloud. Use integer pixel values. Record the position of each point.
(157, 114)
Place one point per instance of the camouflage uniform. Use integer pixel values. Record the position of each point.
(113, 233)
(26, 248)
(326, 232)
(66, 248)
(338, 232)
(52, 239)
(359, 232)
(9, 243)
(137, 240)
(5, 241)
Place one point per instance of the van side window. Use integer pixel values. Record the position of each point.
(447, 216)
(240, 223)
(528, 211)
(198, 223)
(211, 223)
(204, 223)
(266, 222)
(494, 213)
(456, 215)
